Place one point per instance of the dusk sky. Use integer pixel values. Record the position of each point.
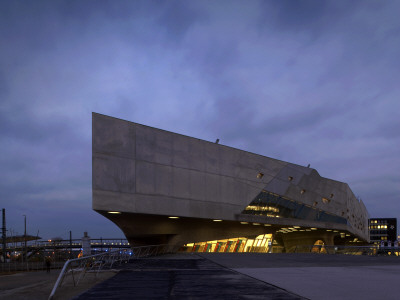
(308, 82)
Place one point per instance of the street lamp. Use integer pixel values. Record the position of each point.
(25, 239)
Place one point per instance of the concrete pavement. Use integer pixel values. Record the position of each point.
(37, 285)
(226, 276)
(344, 283)
(317, 276)
(175, 277)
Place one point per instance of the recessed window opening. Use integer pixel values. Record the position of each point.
(325, 200)
(315, 203)
(319, 247)
(331, 196)
(260, 175)
(290, 178)
(302, 191)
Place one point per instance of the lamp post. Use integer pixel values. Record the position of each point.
(25, 239)
(4, 238)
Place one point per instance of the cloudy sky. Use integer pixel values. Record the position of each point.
(309, 82)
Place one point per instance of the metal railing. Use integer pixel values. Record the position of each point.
(77, 268)
(351, 250)
(15, 266)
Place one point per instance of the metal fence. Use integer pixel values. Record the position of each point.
(350, 250)
(10, 267)
(76, 269)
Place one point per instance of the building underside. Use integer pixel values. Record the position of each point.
(160, 187)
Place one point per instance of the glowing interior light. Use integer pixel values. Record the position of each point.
(244, 223)
(114, 212)
(217, 220)
(296, 227)
(267, 225)
(256, 224)
(313, 228)
(173, 217)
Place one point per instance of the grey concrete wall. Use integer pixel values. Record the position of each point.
(144, 170)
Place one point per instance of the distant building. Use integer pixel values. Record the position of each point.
(160, 187)
(383, 229)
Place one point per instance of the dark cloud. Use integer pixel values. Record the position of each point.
(302, 81)
(297, 15)
(177, 17)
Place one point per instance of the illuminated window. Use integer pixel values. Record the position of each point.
(272, 205)
(260, 175)
(325, 200)
(318, 247)
(261, 244)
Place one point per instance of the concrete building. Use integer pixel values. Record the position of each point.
(383, 231)
(162, 187)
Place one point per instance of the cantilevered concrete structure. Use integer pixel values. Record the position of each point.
(143, 176)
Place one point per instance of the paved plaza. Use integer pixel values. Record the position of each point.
(183, 277)
(254, 276)
(318, 276)
(226, 276)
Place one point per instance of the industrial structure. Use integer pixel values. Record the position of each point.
(161, 187)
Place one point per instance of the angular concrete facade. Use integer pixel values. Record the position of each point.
(146, 175)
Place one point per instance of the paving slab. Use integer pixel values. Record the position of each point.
(318, 276)
(27, 285)
(344, 283)
(189, 278)
(37, 285)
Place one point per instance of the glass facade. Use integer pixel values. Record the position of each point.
(273, 205)
(383, 230)
(261, 243)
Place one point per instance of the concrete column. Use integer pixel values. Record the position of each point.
(86, 248)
